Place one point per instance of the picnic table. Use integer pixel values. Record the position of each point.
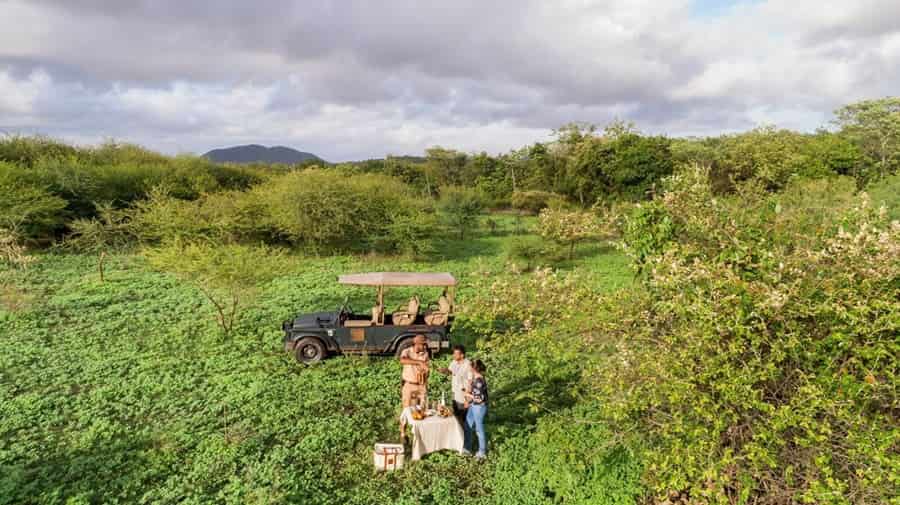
(434, 433)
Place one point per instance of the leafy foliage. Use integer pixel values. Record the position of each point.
(763, 341)
(646, 232)
(317, 209)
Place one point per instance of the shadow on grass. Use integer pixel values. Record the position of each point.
(453, 249)
(524, 400)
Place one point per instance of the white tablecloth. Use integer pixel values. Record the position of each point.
(434, 433)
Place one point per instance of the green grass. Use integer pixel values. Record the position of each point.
(126, 391)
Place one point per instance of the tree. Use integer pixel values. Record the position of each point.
(622, 163)
(446, 165)
(460, 207)
(638, 163)
(585, 169)
(227, 275)
(568, 228)
(875, 126)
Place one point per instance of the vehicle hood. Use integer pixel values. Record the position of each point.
(316, 320)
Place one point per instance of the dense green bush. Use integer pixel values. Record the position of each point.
(25, 151)
(86, 180)
(646, 231)
(223, 217)
(759, 360)
(326, 210)
(27, 208)
(771, 156)
(621, 166)
(756, 362)
(112, 230)
(534, 201)
(322, 210)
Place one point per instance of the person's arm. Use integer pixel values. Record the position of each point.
(406, 360)
(445, 370)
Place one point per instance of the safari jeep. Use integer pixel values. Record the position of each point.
(312, 337)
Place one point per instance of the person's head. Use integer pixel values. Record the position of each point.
(459, 352)
(419, 343)
(478, 367)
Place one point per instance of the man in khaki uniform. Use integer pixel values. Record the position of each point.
(415, 361)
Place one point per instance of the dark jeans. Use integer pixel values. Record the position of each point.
(459, 412)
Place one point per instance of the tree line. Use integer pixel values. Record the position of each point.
(585, 165)
(92, 197)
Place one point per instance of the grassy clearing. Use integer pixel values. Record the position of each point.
(125, 391)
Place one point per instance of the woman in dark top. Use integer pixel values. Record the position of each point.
(476, 402)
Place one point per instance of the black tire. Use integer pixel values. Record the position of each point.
(309, 350)
(404, 344)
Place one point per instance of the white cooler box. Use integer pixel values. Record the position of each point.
(388, 456)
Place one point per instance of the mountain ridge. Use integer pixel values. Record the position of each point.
(256, 153)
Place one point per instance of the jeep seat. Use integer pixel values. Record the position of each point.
(408, 316)
(438, 317)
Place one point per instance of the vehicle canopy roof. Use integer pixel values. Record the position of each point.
(399, 279)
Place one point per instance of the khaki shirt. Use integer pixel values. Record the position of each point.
(412, 373)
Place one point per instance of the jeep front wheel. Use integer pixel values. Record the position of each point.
(309, 350)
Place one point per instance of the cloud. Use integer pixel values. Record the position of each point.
(356, 79)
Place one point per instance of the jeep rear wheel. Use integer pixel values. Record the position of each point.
(309, 350)
(404, 344)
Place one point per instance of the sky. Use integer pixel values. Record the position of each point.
(359, 79)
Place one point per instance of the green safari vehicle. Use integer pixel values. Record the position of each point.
(314, 336)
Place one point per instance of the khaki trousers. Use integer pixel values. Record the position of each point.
(411, 394)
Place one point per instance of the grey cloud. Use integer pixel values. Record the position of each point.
(406, 72)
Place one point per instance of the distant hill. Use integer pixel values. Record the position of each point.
(255, 153)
